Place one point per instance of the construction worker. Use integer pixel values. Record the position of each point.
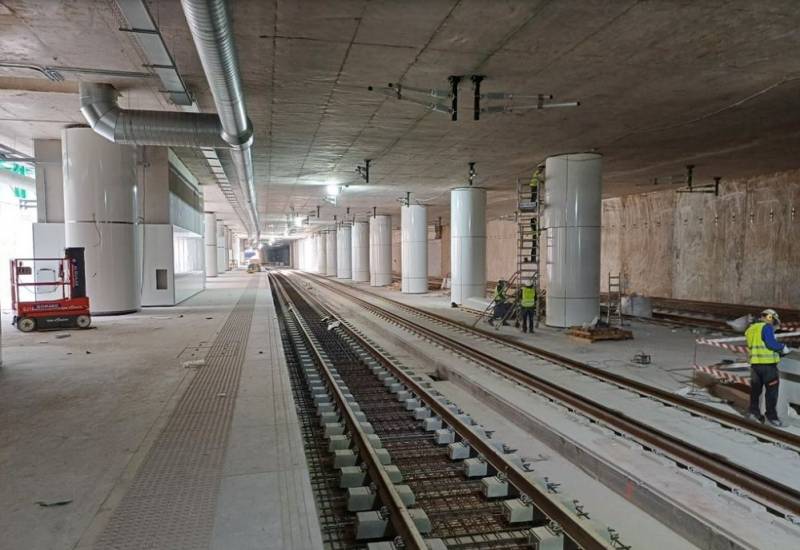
(500, 302)
(527, 305)
(765, 352)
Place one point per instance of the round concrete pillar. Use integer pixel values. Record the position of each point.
(220, 246)
(210, 233)
(100, 216)
(414, 249)
(344, 260)
(573, 193)
(360, 252)
(330, 251)
(322, 253)
(380, 250)
(467, 244)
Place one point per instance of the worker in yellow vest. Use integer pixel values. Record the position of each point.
(765, 354)
(527, 306)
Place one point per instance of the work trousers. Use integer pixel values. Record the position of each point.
(766, 378)
(527, 318)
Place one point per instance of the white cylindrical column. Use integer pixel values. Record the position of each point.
(467, 244)
(573, 193)
(380, 250)
(330, 248)
(237, 251)
(322, 253)
(414, 249)
(210, 232)
(344, 266)
(100, 216)
(220, 246)
(360, 252)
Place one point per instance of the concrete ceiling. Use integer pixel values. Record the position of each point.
(662, 84)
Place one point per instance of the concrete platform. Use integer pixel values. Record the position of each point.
(81, 412)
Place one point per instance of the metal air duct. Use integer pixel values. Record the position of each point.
(212, 32)
(130, 127)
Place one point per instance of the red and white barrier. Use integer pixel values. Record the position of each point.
(723, 375)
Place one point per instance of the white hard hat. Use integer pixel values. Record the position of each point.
(771, 313)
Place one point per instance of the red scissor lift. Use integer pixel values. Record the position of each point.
(70, 310)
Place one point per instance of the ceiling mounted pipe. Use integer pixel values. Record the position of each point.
(133, 127)
(212, 32)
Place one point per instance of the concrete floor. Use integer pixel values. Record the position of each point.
(80, 409)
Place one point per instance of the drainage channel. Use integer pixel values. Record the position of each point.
(396, 465)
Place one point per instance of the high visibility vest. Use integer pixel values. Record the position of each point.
(528, 297)
(536, 179)
(499, 293)
(760, 354)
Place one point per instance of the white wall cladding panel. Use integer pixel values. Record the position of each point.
(414, 249)
(380, 250)
(210, 238)
(344, 251)
(573, 190)
(330, 252)
(360, 252)
(100, 215)
(467, 243)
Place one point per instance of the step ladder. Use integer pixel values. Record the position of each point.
(614, 305)
(529, 207)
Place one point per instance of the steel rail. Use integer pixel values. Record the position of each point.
(731, 420)
(769, 493)
(399, 517)
(570, 522)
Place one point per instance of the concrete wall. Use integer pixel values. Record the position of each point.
(501, 249)
(740, 247)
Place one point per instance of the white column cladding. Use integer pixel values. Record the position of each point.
(100, 216)
(228, 246)
(330, 253)
(220, 246)
(573, 193)
(414, 249)
(237, 251)
(344, 259)
(380, 250)
(309, 254)
(360, 252)
(322, 253)
(467, 244)
(210, 232)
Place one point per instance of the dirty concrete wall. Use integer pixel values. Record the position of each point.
(741, 247)
(445, 252)
(396, 252)
(501, 249)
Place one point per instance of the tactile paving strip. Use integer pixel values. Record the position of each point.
(171, 501)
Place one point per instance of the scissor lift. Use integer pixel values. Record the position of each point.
(70, 310)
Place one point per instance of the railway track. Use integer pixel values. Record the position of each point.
(780, 496)
(432, 470)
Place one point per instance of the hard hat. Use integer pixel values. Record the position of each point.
(772, 315)
(529, 283)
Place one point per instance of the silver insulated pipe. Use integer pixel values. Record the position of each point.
(212, 32)
(133, 127)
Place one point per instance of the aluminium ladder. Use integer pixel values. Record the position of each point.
(614, 306)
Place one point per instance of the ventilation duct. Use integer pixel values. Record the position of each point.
(212, 32)
(229, 129)
(167, 128)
